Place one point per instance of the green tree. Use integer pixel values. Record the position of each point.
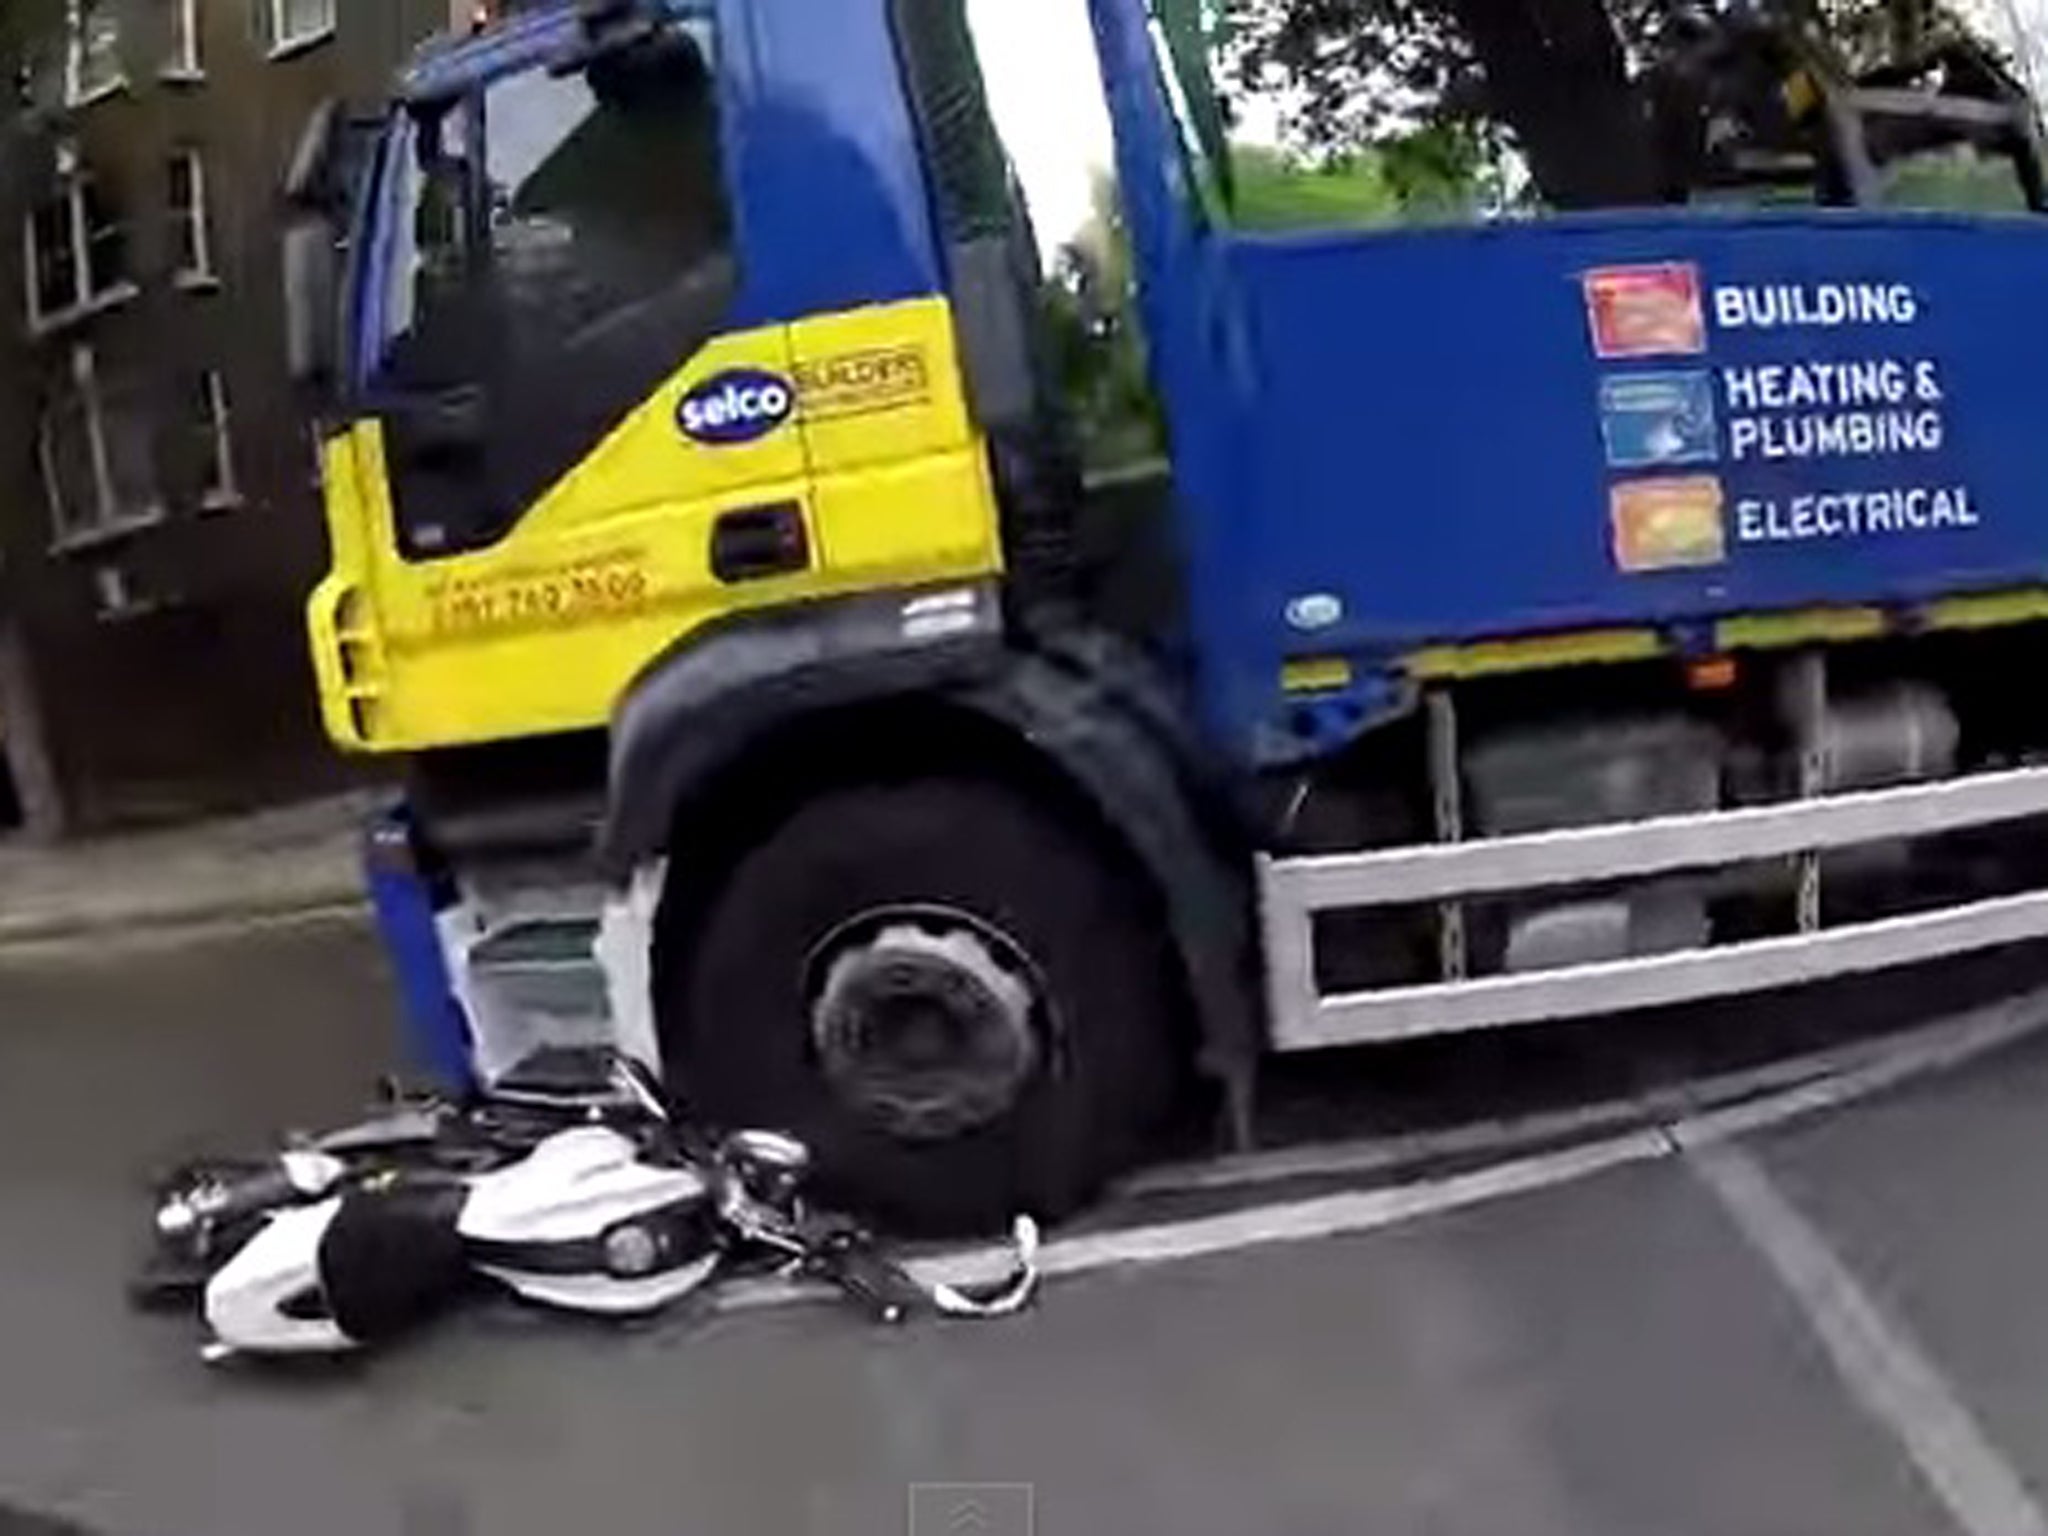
(1553, 72)
(1098, 353)
(1570, 84)
(1432, 175)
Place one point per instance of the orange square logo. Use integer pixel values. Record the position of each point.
(1647, 311)
(1668, 523)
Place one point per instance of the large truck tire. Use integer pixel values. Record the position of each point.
(962, 1002)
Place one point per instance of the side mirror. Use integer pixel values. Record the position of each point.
(619, 36)
(312, 297)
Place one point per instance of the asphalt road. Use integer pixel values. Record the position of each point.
(1836, 1326)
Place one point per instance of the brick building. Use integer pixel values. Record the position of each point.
(159, 519)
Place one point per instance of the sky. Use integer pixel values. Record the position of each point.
(1045, 88)
(2021, 26)
(1038, 60)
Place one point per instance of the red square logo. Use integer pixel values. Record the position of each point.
(1668, 523)
(1648, 311)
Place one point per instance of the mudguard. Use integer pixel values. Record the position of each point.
(1090, 707)
(701, 706)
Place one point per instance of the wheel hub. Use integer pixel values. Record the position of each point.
(925, 1021)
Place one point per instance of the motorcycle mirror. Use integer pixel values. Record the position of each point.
(769, 1166)
(768, 1151)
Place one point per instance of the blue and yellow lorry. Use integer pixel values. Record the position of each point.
(1567, 614)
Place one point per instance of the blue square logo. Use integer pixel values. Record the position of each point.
(1654, 419)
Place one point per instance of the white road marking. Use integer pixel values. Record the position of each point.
(1903, 1054)
(1887, 1373)
(1376, 1153)
(1892, 1062)
(1261, 1226)
(1937, 1048)
(1338, 1215)
(1884, 1369)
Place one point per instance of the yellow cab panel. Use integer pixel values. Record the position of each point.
(631, 350)
(543, 630)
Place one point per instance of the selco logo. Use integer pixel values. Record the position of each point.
(740, 405)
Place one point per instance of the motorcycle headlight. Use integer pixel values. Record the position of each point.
(632, 1250)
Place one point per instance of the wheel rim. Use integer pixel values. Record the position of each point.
(928, 1022)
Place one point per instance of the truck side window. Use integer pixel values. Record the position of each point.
(1019, 154)
(568, 248)
(604, 196)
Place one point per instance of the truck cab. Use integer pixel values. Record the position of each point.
(1572, 613)
(606, 381)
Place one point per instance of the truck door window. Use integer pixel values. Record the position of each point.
(569, 246)
(603, 188)
(429, 264)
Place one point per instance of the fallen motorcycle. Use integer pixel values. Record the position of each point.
(569, 1185)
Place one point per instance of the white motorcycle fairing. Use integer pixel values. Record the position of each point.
(586, 1224)
(267, 1299)
(358, 1268)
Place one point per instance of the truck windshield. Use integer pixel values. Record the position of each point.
(567, 226)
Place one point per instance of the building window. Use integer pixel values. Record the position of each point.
(185, 61)
(93, 50)
(76, 252)
(295, 24)
(191, 241)
(41, 81)
(99, 474)
(219, 489)
(115, 595)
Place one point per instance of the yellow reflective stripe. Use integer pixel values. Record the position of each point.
(1598, 647)
(1810, 626)
(1316, 674)
(1988, 611)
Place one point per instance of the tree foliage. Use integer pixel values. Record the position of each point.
(1097, 354)
(1432, 173)
(1563, 81)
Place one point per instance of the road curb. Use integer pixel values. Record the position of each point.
(152, 920)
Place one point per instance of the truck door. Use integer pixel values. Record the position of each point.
(561, 251)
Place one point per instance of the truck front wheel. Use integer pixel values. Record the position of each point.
(953, 994)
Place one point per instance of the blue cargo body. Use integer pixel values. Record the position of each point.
(1433, 446)
(1390, 440)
